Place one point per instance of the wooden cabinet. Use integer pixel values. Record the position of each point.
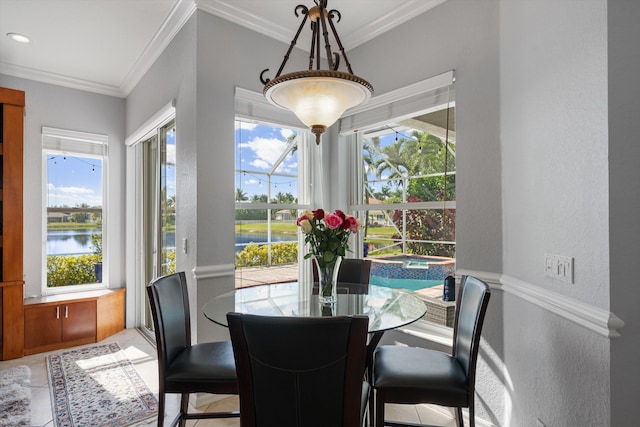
(67, 320)
(11, 225)
(49, 325)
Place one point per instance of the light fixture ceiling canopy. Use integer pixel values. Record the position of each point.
(318, 97)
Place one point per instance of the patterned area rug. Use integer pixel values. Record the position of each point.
(15, 396)
(97, 386)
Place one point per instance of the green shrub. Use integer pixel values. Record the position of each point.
(169, 266)
(257, 255)
(71, 270)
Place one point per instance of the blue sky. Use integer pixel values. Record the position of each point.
(73, 180)
(258, 147)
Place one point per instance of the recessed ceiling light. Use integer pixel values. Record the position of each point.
(20, 38)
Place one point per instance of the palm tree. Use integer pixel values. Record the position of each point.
(259, 198)
(241, 196)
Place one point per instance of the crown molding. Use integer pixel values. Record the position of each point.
(176, 19)
(230, 12)
(181, 12)
(408, 10)
(58, 80)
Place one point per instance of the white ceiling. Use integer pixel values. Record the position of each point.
(106, 46)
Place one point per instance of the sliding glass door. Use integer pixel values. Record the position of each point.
(158, 191)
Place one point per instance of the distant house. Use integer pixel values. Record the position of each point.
(377, 217)
(284, 215)
(58, 217)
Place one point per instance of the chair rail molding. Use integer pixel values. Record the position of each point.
(596, 319)
(443, 335)
(211, 271)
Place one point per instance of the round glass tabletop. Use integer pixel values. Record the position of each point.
(387, 308)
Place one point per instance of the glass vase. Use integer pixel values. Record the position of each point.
(327, 279)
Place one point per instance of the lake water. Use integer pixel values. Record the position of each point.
(69, 242)
(78, 242)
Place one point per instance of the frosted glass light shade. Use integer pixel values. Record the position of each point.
(318, 97)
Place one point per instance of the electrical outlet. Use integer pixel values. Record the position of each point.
(558, 267)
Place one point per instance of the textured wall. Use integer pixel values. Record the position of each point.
(63, 108)
(460, 36)
(624, 203)
(554, 134)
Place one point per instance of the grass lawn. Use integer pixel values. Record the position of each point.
(261, 228)
(73, 226)
(290, 228)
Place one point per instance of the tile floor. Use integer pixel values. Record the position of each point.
(143, 355)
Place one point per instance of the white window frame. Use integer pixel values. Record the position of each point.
(253, 106)
(62, 141)
(402, 103)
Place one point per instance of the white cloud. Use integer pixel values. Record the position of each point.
(245, 125)
(260, 164)
(286, 133)
(251, 181)
(267, 151)
(74, 190)
(72, 196)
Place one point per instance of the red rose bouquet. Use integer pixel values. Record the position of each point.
(327, 234)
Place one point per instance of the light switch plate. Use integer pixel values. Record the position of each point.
(558, 267)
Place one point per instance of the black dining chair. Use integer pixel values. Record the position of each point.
(184, 367)
(408, 375)
(353, 276)
(300, 371)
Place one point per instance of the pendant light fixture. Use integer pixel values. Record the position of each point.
(318, 97)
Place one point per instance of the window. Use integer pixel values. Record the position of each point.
(268, 196)
(74, 219)
(159, 201)
(407, 196)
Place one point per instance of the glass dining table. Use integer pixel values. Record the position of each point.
(387, 308)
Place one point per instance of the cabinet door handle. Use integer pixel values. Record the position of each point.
(66, 311)
(57, 312)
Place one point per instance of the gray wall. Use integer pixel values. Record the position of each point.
(171, 78)
(624, 202)
(71, 109)
(200, 69)
(462, 36)
(555, 173)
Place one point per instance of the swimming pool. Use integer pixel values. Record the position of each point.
(410, 284)
(410, 271)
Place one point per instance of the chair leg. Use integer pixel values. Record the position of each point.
(372, 407)
(161, 408)
(459, 419)
(184, 408)
(379, 416)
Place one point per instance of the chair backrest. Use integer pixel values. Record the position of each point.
(169, 301)
(353, 276)
(299, 371)
(470, 312)
(354, 270)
